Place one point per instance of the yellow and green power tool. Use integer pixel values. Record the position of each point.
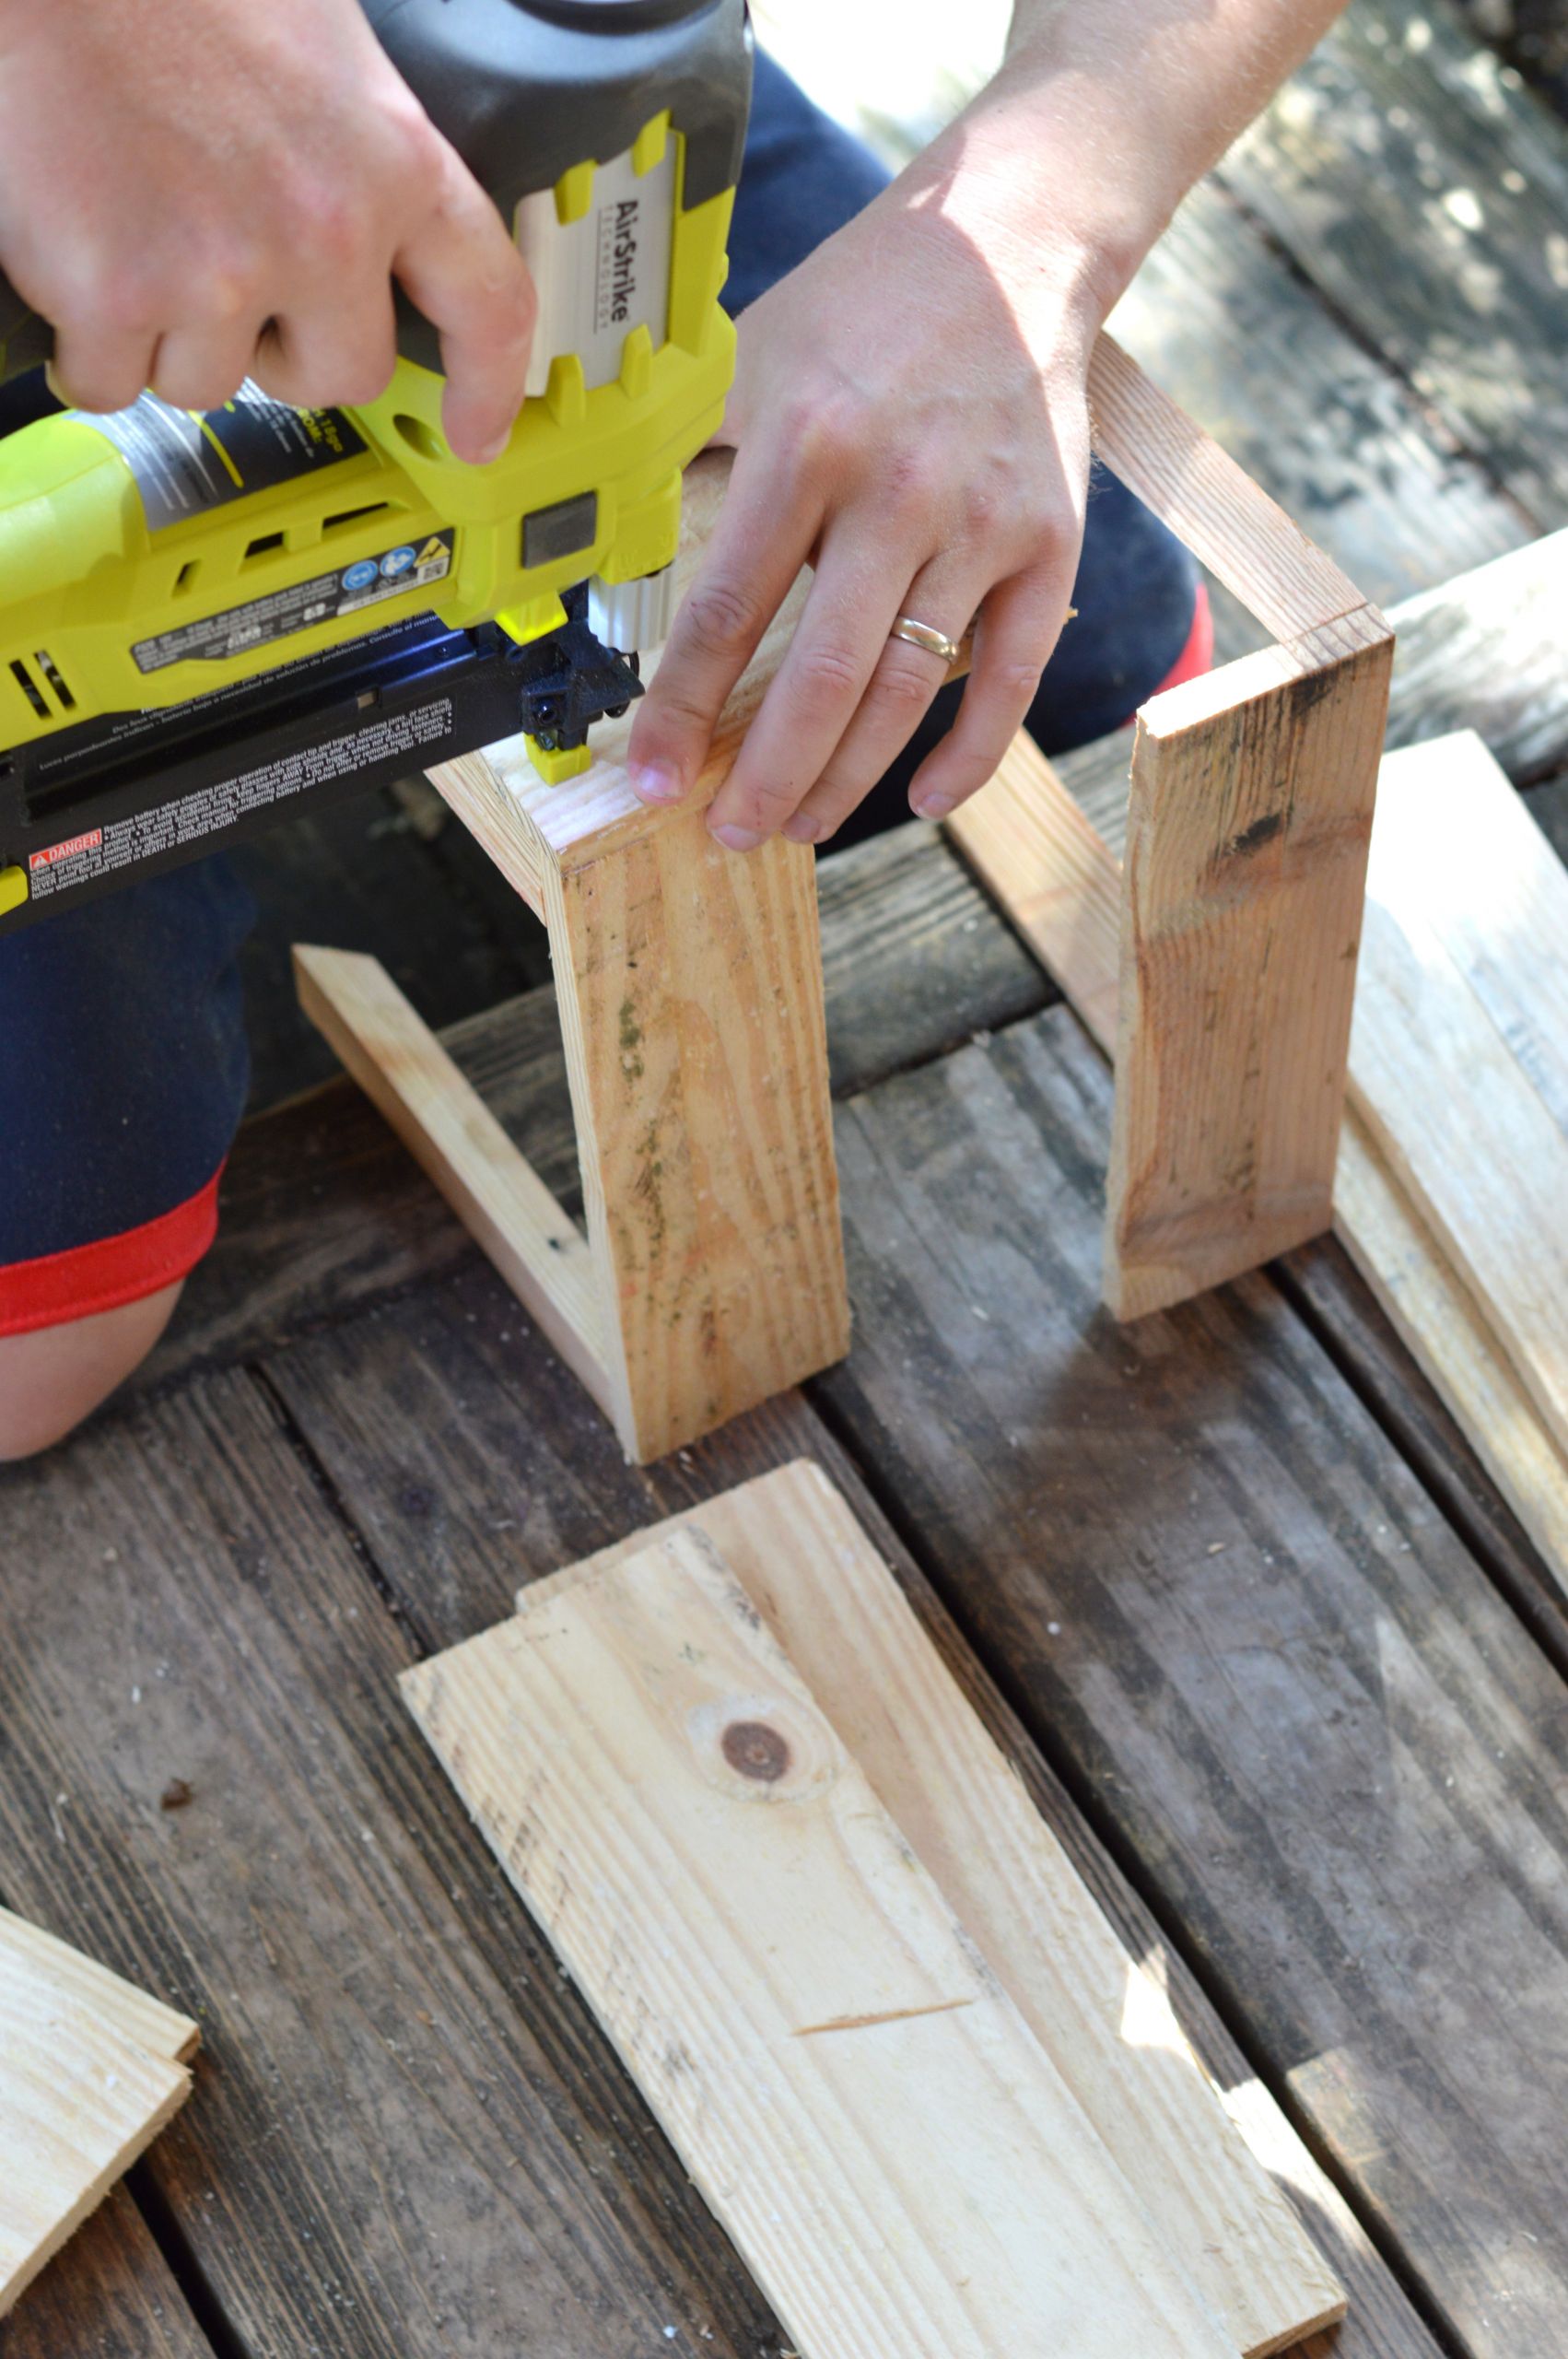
(203, 617)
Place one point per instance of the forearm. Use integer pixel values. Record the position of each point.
(1068, 166)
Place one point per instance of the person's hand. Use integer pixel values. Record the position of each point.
(192, 192)
(909, 416)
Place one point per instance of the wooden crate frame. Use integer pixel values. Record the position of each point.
(1216, 964)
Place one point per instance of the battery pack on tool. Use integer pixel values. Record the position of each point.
(203, 617)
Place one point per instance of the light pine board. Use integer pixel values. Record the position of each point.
(91, 2070)
(1456, 1180)
(896, 2158)
(804, 1561)
(1454, 1113)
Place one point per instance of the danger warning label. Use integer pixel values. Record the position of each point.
(121, 843)
(67, 850)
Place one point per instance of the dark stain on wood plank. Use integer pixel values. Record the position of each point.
(1249, 1636)
(470, 1467)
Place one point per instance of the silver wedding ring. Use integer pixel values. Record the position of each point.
(935, 642)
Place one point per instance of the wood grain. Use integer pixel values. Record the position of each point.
(1404, 1261)
(1106, 2023)
(1451, 1196)
(1480, 1158)
(1028, 837)
(1504, 901)
(91, 2070)
(323, 1211)
(1210, 503)
(457, 1142)
(1248, 827)
(896, 2158)
(689, 984)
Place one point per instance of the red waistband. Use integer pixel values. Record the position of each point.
(112, 1269)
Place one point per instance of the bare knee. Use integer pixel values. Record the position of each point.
(52, 1379)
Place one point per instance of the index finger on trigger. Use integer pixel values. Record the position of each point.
(463, 272)
(750, 566)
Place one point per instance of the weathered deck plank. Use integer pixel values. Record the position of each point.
(1424, 190)
(1222, 324)
(1217, 1592)
(406, 2136)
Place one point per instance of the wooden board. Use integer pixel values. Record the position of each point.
(467, 1470)
(1271, 1673)
(1475, 855)
(1210, 503)
(457, 1142)
(1482, 1158)
(1249, 824)
(1435, 1315)
(323, 1210)
(689, 985)
(895, 2155)
(91, 2070)
(832, 1604)
(1451, 1197)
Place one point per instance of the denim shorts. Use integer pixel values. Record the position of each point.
(124, 1067)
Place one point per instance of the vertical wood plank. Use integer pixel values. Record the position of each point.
(1248, 829)
(689, 982)
(893, 2154)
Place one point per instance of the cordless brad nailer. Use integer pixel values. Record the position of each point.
(203, 616)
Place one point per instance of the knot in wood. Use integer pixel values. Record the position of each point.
(756, 1750)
